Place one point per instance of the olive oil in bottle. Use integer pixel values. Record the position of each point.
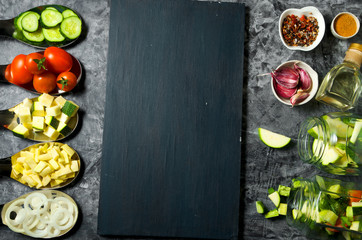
(342, 85)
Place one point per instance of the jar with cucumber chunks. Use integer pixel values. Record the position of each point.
(325, 208)
(333, 143)
(53, 23)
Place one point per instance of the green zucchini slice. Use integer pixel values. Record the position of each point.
(36, 36)
(30, 22)
(53, 34)
(71, 27)
(51, 18)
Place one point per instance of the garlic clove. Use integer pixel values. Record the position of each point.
(299, 97)
(305, 82)
(287, 77)
(282, 91)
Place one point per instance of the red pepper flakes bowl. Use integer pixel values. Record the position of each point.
(313, 75)
(306, 12)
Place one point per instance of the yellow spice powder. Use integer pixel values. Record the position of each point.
(345, 25)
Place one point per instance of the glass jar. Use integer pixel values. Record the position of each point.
(332, 142)
(342, 85)
(323, 207)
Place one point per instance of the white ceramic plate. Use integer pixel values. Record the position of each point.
(313, 75)
(307, 11)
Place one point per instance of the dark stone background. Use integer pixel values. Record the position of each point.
(262, 167)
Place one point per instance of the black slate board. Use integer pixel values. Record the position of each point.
(171, 144)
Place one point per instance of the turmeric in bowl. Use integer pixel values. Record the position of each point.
(345, 25)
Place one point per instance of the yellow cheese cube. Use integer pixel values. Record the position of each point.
(41, 165)
(46, 171)
(74, 166)
(45, 157)
(46, 99)
(31, 162)
(68, 149)
(46, 180)
(54, 164)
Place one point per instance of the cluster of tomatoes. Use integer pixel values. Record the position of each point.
(46, 71)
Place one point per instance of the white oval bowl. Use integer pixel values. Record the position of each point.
(335, 34)
(313, 75)
(307, 11)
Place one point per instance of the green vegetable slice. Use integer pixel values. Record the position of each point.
(36, 36)
(68, 13)
(71, 27)
(51, 18)
(30, 22)
(53, 34)
(272, 139)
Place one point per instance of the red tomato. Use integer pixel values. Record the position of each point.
(19, 72)
(7, 74)
(58, 60)
(355, 196)
(66, 81)
(45, 82)
(35, 63)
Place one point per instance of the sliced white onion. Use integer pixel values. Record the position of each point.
(42, 214)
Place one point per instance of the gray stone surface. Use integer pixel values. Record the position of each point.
(262, 167)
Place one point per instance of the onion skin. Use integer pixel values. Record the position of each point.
(287, 77)
(282, 91)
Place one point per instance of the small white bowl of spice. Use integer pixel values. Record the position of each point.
(345, 25)
(301, 29)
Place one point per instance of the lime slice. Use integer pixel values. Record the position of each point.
(272, 139)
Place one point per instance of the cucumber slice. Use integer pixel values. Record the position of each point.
(337, 126)
(259, 207)
(18, 20)
(53, 34)
(51, 18)
(30, 22)
(272, 139)
(330, 155)
(328, 216)
(282, 210)
(68, 13)
(284, 190)
(71, 27)
(314, 131)
(36, 36)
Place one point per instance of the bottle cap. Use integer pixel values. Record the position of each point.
(356, 46)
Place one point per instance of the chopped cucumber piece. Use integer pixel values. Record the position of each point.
(275, 198)
(64, 129)
(349, 212)
(335, 189)
(284, 190)
(282, 209)
(51, 18)
(38, 123)
(296, 213)
(328, 216)
(36, 36)
(21, 131)
(357, 210)
(338, 126)
(51, 133)
(38, 110)
(52, 121)
(272, 139)
(30, 22)
(259, 207)
(68, 13)
(356, 132)
(314, 131)
(330, 155)
(71, 27)
(272, 213)
(53, 34)
(46, 99)
(355, 226)
(70, 108)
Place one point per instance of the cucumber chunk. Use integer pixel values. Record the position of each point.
(71, 27)
(337, 126)
(21, 131)
(282, 209)
(259, 207)
(357, 132)
(328, 216)
(53, 34)
(51, 18)
(70, 108)
(275, 198)
(64, 129)
(272, 139)
(284, 190)
(30, 22)
(272, 213)
(36, 36)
